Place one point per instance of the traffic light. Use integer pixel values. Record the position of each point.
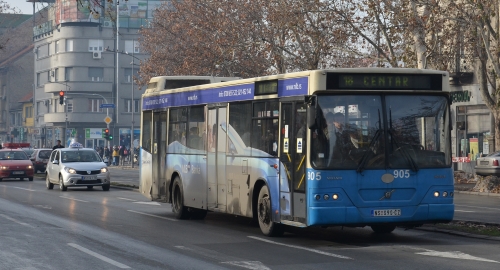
(61, 97)
(106, 134)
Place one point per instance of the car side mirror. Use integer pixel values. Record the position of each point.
(32, 159)
(55, 162)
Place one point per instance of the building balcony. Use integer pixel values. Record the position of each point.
(75, 117)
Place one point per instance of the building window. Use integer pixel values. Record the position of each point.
(67, 73)
(128, 105)
(95, 45)
(128, 74)
(132, 46)
(96, 74)
(69, 45)
(57, 47)
(473, 126)
(38, 82)
(56, 74)
(94, 105)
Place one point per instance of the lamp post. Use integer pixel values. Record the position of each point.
(132, 101)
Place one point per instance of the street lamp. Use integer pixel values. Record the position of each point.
(132, 150)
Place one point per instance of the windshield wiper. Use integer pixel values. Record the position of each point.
(407, 155)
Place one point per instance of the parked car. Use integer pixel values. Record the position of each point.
(488, 165)
(76, 166)
(40, 158)
(28, 150)
(14, 163)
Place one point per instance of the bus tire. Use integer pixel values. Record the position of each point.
(180, 211)
(267, 226)
(383, 228)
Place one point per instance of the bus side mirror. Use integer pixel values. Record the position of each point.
(312, 113)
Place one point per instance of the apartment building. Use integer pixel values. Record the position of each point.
(77, 56)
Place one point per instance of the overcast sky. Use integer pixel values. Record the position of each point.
(25, 7)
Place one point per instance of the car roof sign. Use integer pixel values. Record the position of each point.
(76, 145)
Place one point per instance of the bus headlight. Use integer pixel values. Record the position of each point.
(445, 194)
(436, 193)
(335, 197)
(326, 197)
(317, 197)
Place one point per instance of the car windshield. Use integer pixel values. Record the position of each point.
(28, 151)
(13, 155)
(45, 154)
(80, 156)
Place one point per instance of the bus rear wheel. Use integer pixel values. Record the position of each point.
(180, 211)
(267, 226)
(383, 228)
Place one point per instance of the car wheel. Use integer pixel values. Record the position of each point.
(30, 178)
(105, 187)
(62, 187)
(48, 183)
(90, 187)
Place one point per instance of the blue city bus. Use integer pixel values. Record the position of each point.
(343, 147)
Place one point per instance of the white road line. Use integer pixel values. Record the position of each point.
(126, 199)
(72, 199)
(24, 188)
(478, 207)
(148, 203)
(303, 248)
(99, 256)
(171, 219)
(254, 265)
(18, 188)
(464, 211)
(16, 221)
(454, 255)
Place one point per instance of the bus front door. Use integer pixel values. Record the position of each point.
(293, 151)
(158, 155)
(216, 158)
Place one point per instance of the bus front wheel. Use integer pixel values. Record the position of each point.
(267, 226)
(180, 211)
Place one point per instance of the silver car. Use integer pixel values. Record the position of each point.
(488, 165)
(76, 166)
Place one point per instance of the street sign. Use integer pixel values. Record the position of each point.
(107, 106)
(107, 120)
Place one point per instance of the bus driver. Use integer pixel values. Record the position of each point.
(339, 138)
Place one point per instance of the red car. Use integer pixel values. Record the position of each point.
(14, 163)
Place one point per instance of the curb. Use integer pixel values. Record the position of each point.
(124, 187)
(478, 193)
(457, 233)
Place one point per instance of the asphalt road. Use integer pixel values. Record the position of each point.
(120, 229)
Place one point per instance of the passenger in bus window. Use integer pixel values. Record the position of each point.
(340, 139)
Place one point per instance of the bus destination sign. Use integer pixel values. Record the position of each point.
(381, 81)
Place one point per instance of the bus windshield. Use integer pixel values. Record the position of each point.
(360, 132)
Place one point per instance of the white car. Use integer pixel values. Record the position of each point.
(76, 166)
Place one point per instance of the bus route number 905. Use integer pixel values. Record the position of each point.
(401, 173)
(314, 176)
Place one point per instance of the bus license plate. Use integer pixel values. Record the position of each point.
(93, 177)
(18, 172)
(387, 213)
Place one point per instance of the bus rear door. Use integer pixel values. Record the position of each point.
(216, 157)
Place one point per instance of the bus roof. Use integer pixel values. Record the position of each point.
(295, 84)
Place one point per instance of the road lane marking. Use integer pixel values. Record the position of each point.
(171, 219)
(72, 199)
(99, 256)
(465, 211)
(254, 265)
(126, 199)
(148, 203)
(16, 221)
(454, 255)
(303, 248)
(18, 188)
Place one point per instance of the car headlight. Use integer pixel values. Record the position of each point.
(29, 167)
(104, 170)
(70, 170)
(4, 167)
